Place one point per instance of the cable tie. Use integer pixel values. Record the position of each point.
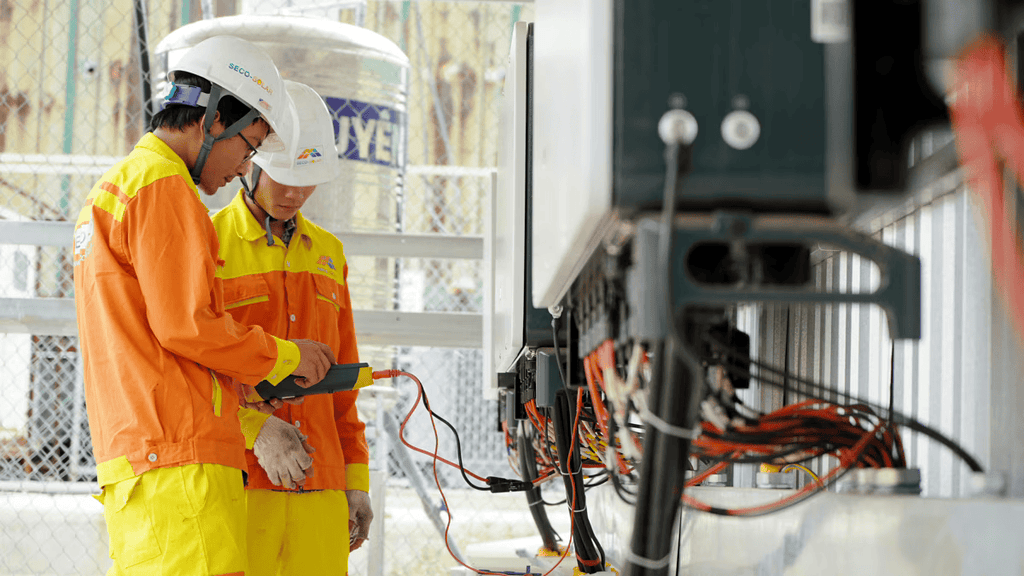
(647, 562)
(578, 470)
(671, 429)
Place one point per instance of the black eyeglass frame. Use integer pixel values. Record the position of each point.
(252, 149)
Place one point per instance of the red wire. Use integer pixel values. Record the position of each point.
(988, 122)
(590, 370)
(602, 359)
(572, 480)
(531, 412)
(705, 474)
(845, 462)
(800, 423)
(437, 443)
(401, 429)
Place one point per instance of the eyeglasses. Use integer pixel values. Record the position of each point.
(252, 149)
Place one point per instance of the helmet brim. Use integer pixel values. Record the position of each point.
(286, 176)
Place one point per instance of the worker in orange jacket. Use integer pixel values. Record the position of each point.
(289, 276)
(157, 345)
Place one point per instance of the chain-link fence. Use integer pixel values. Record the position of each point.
(74, 82)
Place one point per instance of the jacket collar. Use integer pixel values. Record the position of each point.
(249, 229)
(151, 143)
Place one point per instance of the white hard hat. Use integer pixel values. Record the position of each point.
(313, 157)
(246, 72)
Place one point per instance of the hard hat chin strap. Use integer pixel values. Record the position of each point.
(229, 132)
(250, 191)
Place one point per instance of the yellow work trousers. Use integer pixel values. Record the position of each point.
(180, 521)
(297, 534)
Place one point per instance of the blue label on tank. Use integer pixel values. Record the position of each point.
(367, 132)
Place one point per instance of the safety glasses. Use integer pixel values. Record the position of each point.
(252, 149)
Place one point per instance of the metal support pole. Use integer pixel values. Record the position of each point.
(144, 80)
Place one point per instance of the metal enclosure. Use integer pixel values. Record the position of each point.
(363, 76)
(511, 321)
(753, 80)
(504, 312)
(572, 139)
(754, 95)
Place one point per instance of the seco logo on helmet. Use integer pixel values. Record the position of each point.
(245, 71)
(259, 81)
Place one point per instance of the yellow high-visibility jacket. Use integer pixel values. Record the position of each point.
(152, 326)
(298, 291)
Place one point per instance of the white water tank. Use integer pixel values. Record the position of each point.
(364, 78)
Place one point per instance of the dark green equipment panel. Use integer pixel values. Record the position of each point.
(720, 55)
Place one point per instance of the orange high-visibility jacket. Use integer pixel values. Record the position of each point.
(152, 325)
(298, 291)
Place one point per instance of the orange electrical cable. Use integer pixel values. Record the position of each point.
(988, 122)
(401, 429)
(592, 364)
(845, 462)
(437, 443)
(599, 409)
(706, 474)
(572, 480)
(531, 413)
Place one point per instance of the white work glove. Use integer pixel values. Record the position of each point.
(269, 406)
(360, 514)
(283, 452)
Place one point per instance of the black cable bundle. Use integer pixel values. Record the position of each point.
(528, 467)
(589, 554)
(819, 391)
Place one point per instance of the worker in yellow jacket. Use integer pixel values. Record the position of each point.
(157, 345)
(289, 276)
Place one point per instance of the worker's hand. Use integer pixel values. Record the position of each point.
(283, 453)
(315, 358)
(269, 406)
(359, 517)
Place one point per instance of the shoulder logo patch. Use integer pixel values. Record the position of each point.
(83, 242)
(325, 261)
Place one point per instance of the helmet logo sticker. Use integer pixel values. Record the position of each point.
(259, 81)
(309, 156)
(264, 104)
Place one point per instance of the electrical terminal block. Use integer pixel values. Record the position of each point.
(776, 480)
(881, 481)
